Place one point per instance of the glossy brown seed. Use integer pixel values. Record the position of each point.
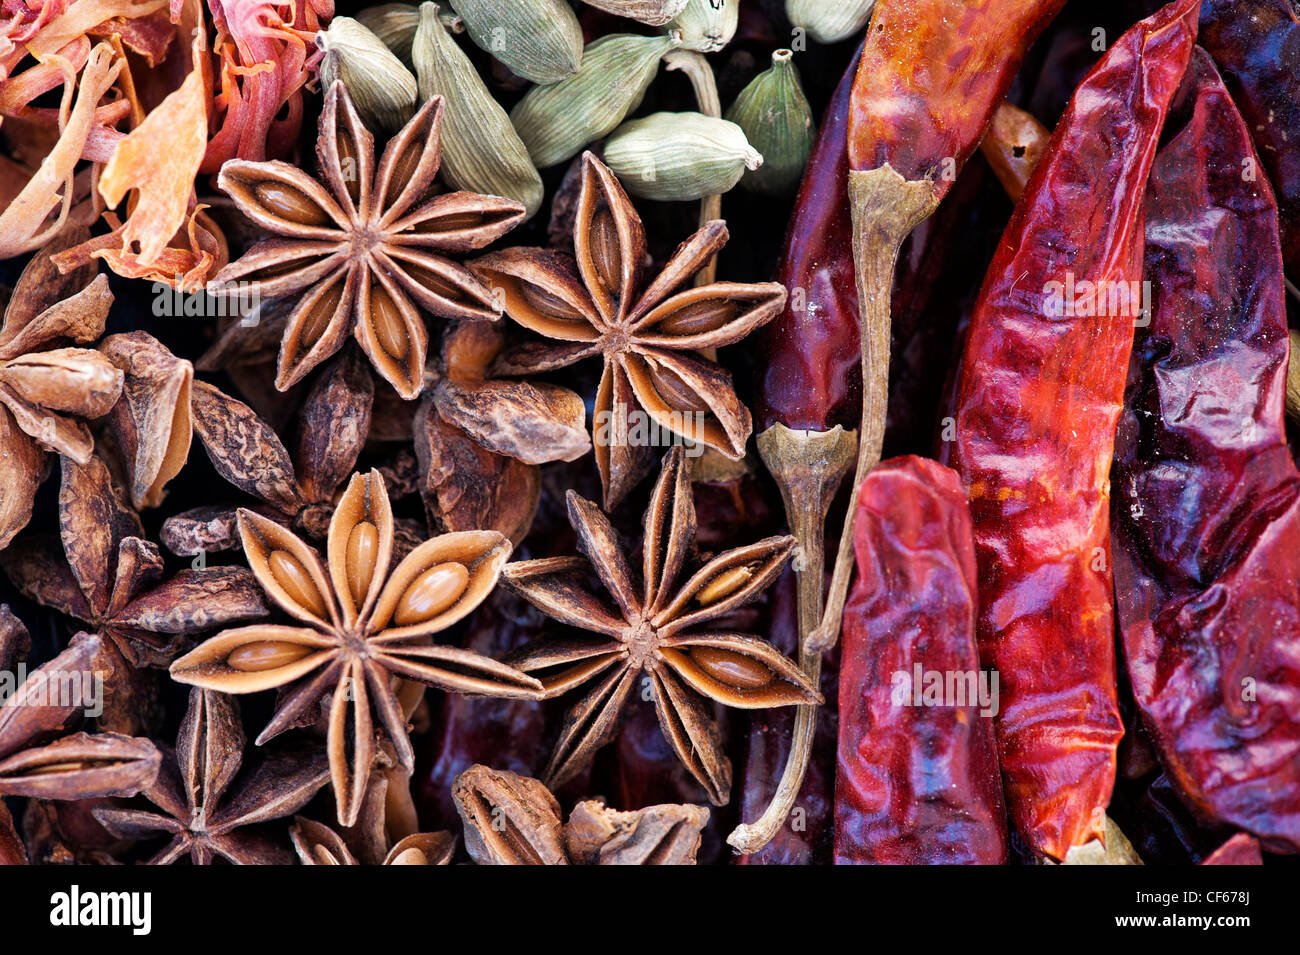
(403, 170)
(433, 592)
(677, 395)
(724, 585)
(699, 318)
(49, 769)
(361, 556)
(290, 574)
(605, 251)
(411, 856)
(318, 317)
(455, 223)
(390, 329)
(552, 306)
(733, 669)
(289, 203)
(435, 283)
(262, 655)
(323, 856)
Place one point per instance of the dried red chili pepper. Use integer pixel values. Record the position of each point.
(1241, 849)
(811, 378)
(1256, 44)
(1207, 518)
(918, 774)
(932, 73)
(1038, 398)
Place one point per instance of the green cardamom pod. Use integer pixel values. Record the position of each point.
(557, 121)
(707, 26)
(395, 24)
(540, 40)
(777, 120)
(481, 152)
(382, 89)
(654, 12)
(679, 157)
(829, 21)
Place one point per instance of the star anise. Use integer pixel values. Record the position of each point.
(103, 572)
(47, 390)
(597, 303)
(297, 489)
(364, 244)
(208, 809)
(513, 820)
(318, 844)
(151, 423)
(38, 758)
(364, 626)
(653, 631)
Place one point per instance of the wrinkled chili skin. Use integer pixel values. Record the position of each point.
(811, 374)
(931, 75)
(811, 377)
(1207, 514)
(1241, 849)
(916, 785)
(1038, 400)
(1256, 45)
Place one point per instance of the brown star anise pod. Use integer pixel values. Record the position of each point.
(297, 488)
(597, 303)
(208, 809)
(513, 820)
(38, 758)
(103, 572)
(364, 626)
(48, 390)
(652, 630)
(318, 844)
(364, 245)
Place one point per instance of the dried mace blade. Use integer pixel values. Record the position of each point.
(367, 243)
(364, 624)
(651, 630)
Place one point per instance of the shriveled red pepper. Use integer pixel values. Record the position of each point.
(1039, 393)
(932, 73)
(1256, 44)
(810, 378)
(917, 779)
(1207, 509)
(1241, 849)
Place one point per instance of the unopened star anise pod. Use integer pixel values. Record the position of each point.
(364, 625)
(151, 423)
(513, 820)
(208, 809)
(597, 302)
(364, 244)
(49, 390)
(652, 629)
(298, 488)
(104, 572)
(39, 758)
